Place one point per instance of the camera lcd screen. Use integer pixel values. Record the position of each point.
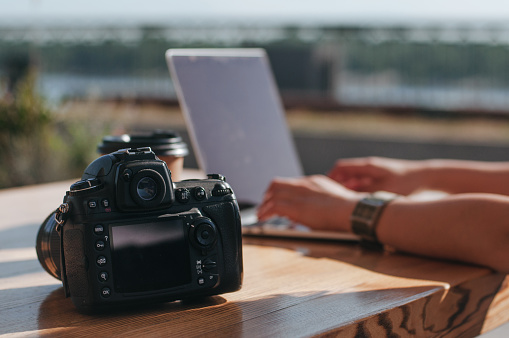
(150, 256)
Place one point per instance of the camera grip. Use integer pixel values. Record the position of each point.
(227, 218)
(75, 262)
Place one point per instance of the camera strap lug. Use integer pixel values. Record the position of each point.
(61, 215)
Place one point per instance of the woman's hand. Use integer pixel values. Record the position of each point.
(316, 201)
(377, 173)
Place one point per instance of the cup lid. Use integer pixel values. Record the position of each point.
(162, 143)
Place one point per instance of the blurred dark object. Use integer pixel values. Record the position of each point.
(166, 144)
(17, 66)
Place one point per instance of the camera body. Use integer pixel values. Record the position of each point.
(131, 235)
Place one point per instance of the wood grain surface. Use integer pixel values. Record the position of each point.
(292, 288)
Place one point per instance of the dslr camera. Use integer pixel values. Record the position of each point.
(125, 233)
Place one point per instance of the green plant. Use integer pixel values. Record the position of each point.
(24, 122)
(36, 144)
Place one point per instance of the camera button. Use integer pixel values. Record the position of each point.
(205, 234)
(183, 195)
(105, 203)
(98, 229)
(199, 193)
(103, 276)
(208, 280)
(209, 264)
(216, 177)
(213, 280)
(101, 261)
(127, 175)
(99, 245)
(106, 292)
(92, 204)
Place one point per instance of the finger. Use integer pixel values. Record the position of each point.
(343, 173)
(274, 208)
(366, 184)
(287, 188)
(352, 184)
(354, 161)
(279, 184)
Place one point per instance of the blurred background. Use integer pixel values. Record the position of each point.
(408, 79)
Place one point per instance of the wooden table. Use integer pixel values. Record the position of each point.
(291, 288)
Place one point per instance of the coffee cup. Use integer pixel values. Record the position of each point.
(166, 144)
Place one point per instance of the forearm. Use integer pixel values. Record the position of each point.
(456, 176)
(473, 228)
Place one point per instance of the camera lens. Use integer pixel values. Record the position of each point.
(48, 246)
(147, 189)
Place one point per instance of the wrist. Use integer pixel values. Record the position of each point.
(366, 215)
(349, 207)
(436, 174)
(418, 175)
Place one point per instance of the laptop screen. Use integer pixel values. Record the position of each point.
(234, 117)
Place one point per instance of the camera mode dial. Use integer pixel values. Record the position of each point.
(85, 186)
(221, 190)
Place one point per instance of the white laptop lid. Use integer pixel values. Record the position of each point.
(235, 117)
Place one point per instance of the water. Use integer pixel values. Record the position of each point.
(56, 87)
(439, 97)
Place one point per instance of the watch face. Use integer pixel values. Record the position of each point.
(365, 217)
(366, 211)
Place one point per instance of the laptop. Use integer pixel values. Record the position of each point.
(237, 126)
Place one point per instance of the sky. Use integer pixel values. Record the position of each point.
(253, 11)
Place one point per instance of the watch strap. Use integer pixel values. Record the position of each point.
(366, 214)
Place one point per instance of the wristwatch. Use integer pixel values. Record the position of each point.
(366, 214)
